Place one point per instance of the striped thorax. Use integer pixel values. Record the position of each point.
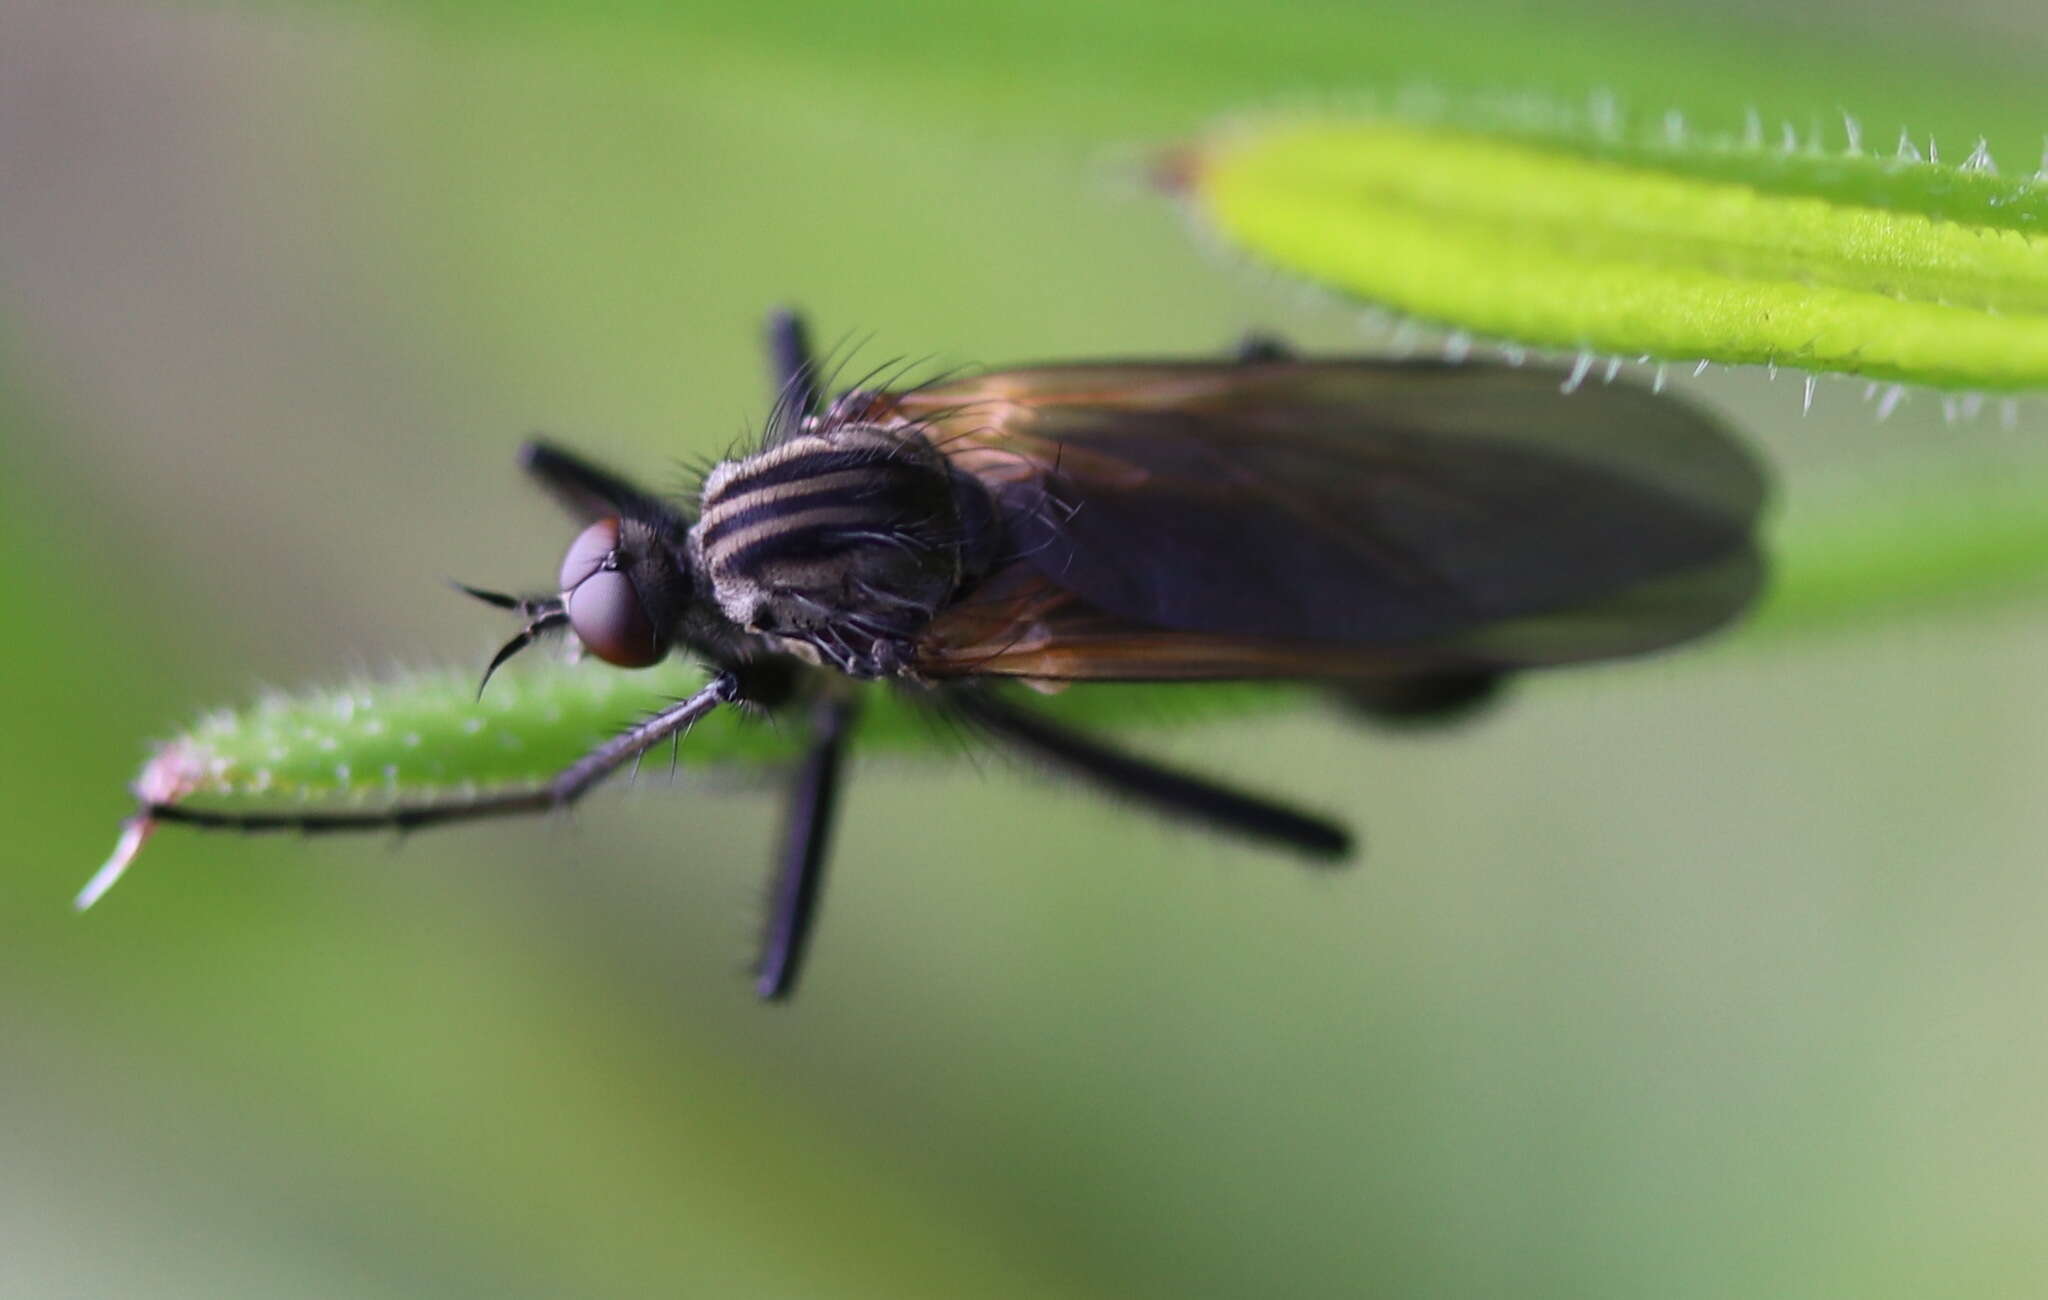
(844, 540)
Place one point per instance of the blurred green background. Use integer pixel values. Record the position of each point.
(1722, 973)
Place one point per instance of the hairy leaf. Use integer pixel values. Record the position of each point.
(1571, 230)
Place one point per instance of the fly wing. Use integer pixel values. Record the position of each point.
(1337, 518)
(1019, 623)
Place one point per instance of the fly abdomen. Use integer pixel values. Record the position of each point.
(848, 539)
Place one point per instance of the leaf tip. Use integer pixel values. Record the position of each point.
(174, 772)
(1177, 170)
(135, 832)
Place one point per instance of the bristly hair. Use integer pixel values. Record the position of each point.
(805, 390)
(829, 381)
(689, 475)
(826, 379)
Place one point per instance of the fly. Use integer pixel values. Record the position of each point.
(1409, 534)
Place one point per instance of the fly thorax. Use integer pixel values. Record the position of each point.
(847, 539)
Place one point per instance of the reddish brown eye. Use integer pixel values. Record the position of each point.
(603, 606)
(592, 550)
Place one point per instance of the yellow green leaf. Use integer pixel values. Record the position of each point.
(1568, 231)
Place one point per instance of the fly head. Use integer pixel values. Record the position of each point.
(625, 587)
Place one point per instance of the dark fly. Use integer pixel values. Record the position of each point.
(1410, 534)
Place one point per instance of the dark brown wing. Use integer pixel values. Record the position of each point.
(1335, 519)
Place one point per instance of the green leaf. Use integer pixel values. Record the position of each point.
(429, 735)
(426, 738)
(418, 739)
(1570, 230)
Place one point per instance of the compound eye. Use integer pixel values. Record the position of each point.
(595, 548)
(603, 606)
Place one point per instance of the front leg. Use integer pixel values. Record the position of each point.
(569, 785)
(565, 788)
(589, 491)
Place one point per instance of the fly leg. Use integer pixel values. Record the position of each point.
(1256, 347)
(794, 372)
(588, 490)
(814, 798)
(1175, 794)
(800, 872)
(565, 788)
(1430, 700)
